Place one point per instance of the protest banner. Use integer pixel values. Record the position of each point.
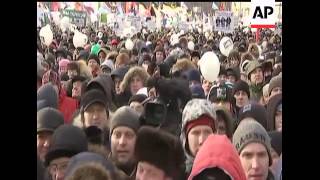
(224, 21)
(76, 17)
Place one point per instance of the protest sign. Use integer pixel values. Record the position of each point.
(224, 21)
(76, 17)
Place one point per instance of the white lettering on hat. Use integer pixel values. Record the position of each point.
(247, 108)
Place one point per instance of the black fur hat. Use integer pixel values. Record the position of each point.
(160, 149)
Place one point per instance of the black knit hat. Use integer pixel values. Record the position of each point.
(138, 97)
(78, 78)
(92, 96)
(197, 91)
(119, 72)
(233, 72)
(94, 57)
(276, 141)
(67, 141)
(255, 111)
(193, 75)
(160, 149)
(49, 119)
(241, 86)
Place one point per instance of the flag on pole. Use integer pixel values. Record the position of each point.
(214, 6)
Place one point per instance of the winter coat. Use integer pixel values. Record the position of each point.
(256, 93)
(278, 170)
(217, 151)
(271, 111)
(40, 169)
(67, 106)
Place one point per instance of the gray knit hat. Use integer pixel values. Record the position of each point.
(275, 82)
(125, 116)
(250, 131)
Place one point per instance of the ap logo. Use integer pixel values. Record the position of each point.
(262, 13)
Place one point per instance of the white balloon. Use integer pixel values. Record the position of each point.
(100, 35)
(64, 23)
(79, 39)
(225, 46)
(209, 66)
(190, 45)
(46, 35)
(129, 44)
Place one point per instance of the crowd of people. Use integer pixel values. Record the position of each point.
(105, 111)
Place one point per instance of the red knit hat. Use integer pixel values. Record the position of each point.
(114, 42)
(202, 120)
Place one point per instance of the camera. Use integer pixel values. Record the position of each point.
(155, 113)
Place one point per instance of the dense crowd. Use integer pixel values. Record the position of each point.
(110, 111)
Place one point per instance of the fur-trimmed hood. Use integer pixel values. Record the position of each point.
(84, 69)
(183, 65)
(136, 70)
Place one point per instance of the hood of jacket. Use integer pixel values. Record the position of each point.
(271, 111)
(105, 83)
(217, 151)
(192, 111)
(228, 119)
(48, 96)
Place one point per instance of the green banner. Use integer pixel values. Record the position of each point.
(104, 18)
(77, 18)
